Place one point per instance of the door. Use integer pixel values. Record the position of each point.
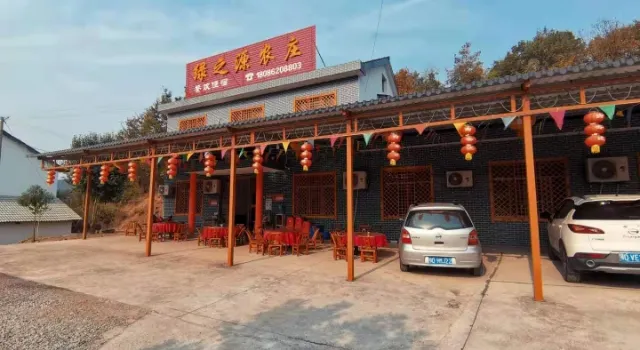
(439, 229)
(554, 228)
(619, 222)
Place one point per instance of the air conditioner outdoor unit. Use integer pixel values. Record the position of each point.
(462, 178)
(211, 186)
(359, 180)
(163, 190)
(611, 169)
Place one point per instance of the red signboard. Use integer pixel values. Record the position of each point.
(278, 57)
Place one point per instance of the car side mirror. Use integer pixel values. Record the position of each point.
(546, 215)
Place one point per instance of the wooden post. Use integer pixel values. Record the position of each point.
(534, 231)
(349, 223)
(231, 240)
(152, 193)
(259, 198)
(193, 188)
(87, 200)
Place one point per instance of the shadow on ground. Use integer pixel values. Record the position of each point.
(601, 279)
(296, 325)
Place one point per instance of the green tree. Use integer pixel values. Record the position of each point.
(548, 49)
(149, 122)
(37, 200)
(429, 80)
(613, 40)
(467, 67)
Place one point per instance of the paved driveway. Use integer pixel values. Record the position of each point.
(192, 301)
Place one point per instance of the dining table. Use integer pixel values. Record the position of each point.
(209, 232)
(379, 239)
(162, 229)
(285, 235)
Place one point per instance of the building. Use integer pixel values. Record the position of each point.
(20, 170)
(524, 144)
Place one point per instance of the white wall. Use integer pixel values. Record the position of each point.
(16, 232)
(371, 84)
(17, 172)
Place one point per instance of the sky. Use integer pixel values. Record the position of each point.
(71, 67)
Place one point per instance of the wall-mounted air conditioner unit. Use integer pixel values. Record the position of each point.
(359, 180)
(611, 169)
(211, 186)
(462, 178)
(163, 190)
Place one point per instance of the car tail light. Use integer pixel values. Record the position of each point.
(590, 255)
(585, 229)
(473, 238)
(405, 236)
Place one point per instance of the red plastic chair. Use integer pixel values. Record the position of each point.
(306, 227)
(290, 223)
(298, 224)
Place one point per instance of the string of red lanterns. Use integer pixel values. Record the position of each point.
(172, 167)
(77, 175)
(105, 169)
(51, 177)
(257, 160)
(306, 156)
(393, 146)
(209, 164)
(594, 130)
(468, 141)
(133, 171)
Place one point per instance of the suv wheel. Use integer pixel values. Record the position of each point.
(403, 267)
(569, 273)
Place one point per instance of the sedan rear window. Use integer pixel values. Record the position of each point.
(608, 210)
(450, 219)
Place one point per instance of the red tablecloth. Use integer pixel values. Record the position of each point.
(288, 237)
(380, 240)
(217, 232)
(165, 227)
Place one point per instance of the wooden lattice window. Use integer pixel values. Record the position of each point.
(508, 188)
(182, 198)
(255, 112)
(192, 123)
(314, 195)
(403, 186)
(308, 103)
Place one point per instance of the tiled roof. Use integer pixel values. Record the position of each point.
(11, 211)
(551, 76)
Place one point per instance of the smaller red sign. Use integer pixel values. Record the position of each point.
(278, 197)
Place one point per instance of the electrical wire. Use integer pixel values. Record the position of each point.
(375, 38)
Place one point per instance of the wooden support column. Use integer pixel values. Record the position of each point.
(534, 230)
(349, 223)
(232, 204)
(259, 199)
(193, 188)
(150, 202)
(87, 200)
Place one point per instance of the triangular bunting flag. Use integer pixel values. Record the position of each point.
(333, 139)
(609, 110)
(285, 145)
(507, 121)
(312, 142)
(223, 152)
(295, 146)
(420, 128)
(341, 142)
(367, 138)
(241, 153)
(160, 159)
(262, 148)
(458, 127)
(190, 155)
(558, 117)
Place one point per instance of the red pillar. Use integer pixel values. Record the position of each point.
(349, 223)
(259, 198)
(193, 181)
(150, 203)
(231, 241)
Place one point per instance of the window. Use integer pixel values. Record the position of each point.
(564, 210)
(182, 198)
(608, 210)
(403, 186)
(443, 219)
(384, 82)
(308, 103)
(508, 188)
(238, 115)
(192, 123)
(314, 195)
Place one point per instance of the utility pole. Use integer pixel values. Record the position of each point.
(2, 120)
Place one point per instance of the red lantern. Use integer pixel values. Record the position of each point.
(306, 156)
(133, 171)
(51, 177)
(209, 164)
(393, 146)
(257, 160)
(172, 167)
(468, 141)
(594, 131)
(104, 173)
(77, 175)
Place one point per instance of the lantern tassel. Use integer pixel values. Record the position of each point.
(305, 168)
(392, 162)
(595, 149)
(255, 171)
(468, 156)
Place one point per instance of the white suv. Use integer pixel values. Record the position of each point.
(596, 233)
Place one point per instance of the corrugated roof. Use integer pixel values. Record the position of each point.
(551, 76)
(11, 211)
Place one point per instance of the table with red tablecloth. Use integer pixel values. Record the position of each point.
(165, 227)
(217, 232)
(380, 239)
(284, 236)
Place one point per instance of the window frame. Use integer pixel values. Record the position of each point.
(333, 93)
(397, 169)
(335, 195)
(202, 117)
(236, 110)
(175, 199)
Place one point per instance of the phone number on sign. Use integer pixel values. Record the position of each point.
(279, 70)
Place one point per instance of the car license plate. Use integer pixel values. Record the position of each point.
(436, 260)
(630, 258)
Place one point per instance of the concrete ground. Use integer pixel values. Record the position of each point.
(194, 302)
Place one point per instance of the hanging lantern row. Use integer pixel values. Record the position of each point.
(172, 167)
(306, 156)
(51, 177)
(104, 173)
(257, 160)
(77, 176)
(594, 130)
(393, 146)
(468, 141)
(133, 171)
(209, 164)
